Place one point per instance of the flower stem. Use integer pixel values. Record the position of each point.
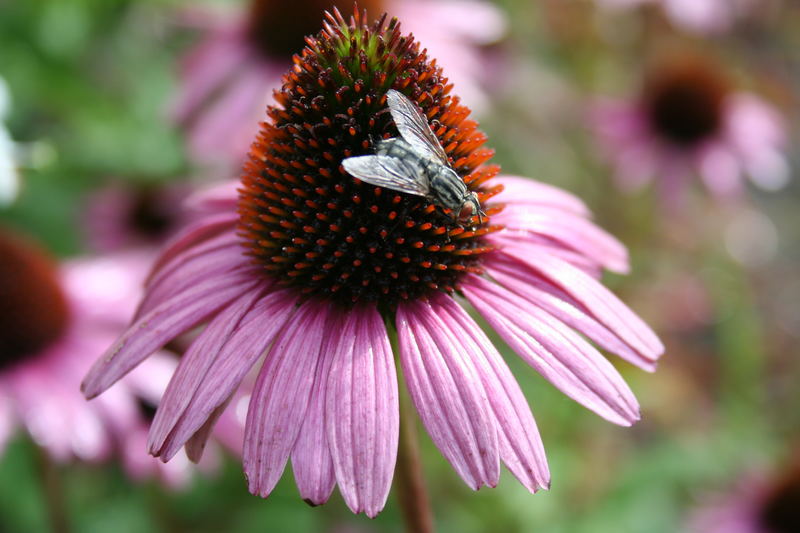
(410, 486)
(53, 492)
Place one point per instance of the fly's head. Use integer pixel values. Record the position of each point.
(470, 207)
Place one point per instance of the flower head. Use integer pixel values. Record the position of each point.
(227, 79)
(687, 120)
(53, 322)
(315, 269)
(120, 217)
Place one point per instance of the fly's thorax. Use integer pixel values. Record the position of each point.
(448, 188)
(395, 147)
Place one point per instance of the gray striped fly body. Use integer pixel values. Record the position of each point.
(415, 163)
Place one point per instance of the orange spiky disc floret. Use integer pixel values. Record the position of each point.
(313, 226)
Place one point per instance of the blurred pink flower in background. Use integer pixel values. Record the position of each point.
(700, 16)
(126, 216)
(689, 121)
(758, 503)
(54, 321)
(227, 79)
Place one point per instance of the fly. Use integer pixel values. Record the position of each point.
(415, 163)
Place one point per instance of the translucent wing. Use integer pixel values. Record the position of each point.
(389, 172)
(414, 128)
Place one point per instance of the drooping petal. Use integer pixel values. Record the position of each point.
(193, 367)
(597, 301)
(195, 234)
(161, 325)
(281, 396)
(521, 447)
(517, 278)
(571, 231)
(196, 444)
(234, 360)
(531, 245)
(560, 355)
(311, 456)
(180, 260)
(222, 262)
(448, 395)
(362, 411)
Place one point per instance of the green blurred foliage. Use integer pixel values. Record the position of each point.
(91, 82)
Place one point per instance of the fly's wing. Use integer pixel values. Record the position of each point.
(386, 171)
(414, 128)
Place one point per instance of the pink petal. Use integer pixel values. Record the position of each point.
(165, 269)
(521, 447)
(573, 232)
(171, 282)
(193, 367)
(448, 394)
(311, 457)
(7, 421)
(222, 197)
(195, 233)
(595, 300)
(247, 343)
(161, 325)
(528, 192)
(281, 397)
(206, 70)
(196, 444)
(362, 411)
(721, 170)
(560, 355)
(517, 278)
(230, 123)
(532, 245)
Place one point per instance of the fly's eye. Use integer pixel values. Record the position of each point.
(467, 210)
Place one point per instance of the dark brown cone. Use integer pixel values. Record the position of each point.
(684, 101)
(33, 308)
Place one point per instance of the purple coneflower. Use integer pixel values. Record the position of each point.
(227, 79)
(127, 216)
(688, 120)
(760, 503)
(700, 16)
(53, 323)
(315, 272)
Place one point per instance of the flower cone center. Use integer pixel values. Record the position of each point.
(781, 511)
(150, 216)
(313, 226)
(277, 28)
(685, 102)
(33, 307)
